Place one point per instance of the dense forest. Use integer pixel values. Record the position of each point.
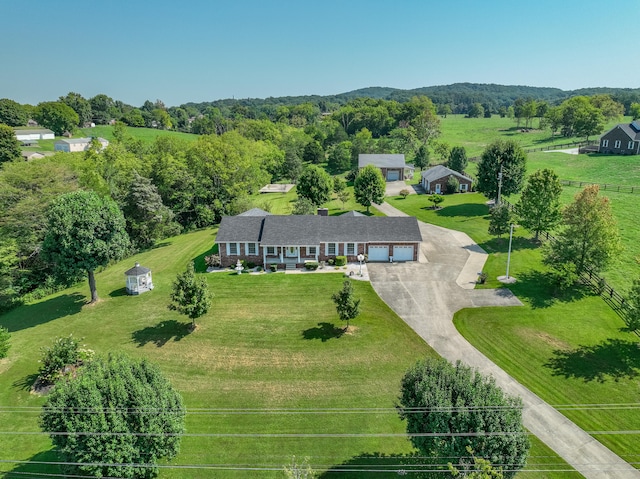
(169, 185)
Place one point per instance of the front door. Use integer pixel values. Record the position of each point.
(438, 190)
(292, 252)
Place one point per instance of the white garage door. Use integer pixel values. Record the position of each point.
(393, 175)
(378, 253)
(403, 253)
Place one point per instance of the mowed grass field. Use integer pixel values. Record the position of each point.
(268, 360)
(569, 349)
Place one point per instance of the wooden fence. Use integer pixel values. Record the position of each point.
(603, 186)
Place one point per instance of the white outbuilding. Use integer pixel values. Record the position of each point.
(138, 279)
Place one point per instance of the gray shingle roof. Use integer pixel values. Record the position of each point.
(381, 160)
(629, 130)
(240, 228)
(276, 230)
(440, 171)
(137, 270)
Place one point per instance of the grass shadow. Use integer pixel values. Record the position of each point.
(161, 333)
(612, 359)
(467, 210)
(324, 332)
(539, 290)
(30, 315)
(501, 245)
(199, 263)
(44, 463)
(26, 382)
(381, 466)
(118, 292)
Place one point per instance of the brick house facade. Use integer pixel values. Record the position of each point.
(266, 239)
(434, 180)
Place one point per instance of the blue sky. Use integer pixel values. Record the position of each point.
(181, 51)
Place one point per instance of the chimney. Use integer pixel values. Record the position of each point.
(323, 211)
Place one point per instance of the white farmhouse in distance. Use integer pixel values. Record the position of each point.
(71, 145)
(34, 134)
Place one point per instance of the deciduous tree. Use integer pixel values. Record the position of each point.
(458, 159)
(438, 397)
(632, 305)
(538, 209)
(190, 295)
(505, 157)
(421, 161)
(9, 145)
(12, 113)
(84, 232)
(347, 306)
(589, 237)
(134, 414)
(369, 186)
(315, 184)
(313, 153)
(500, 221)
(56, 116)
(80, 105)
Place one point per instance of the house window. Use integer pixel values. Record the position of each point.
(271, 250)
(331, 249)
(463, 186)
(618, 143)
(233, 248)
(630, 145)
(312, 250)
(251, 248)
(351, 249)
(605, 143)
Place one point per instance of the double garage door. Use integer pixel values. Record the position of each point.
(399, 253)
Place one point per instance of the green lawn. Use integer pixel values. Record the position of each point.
(147, 135)
(270, 342)
(568, 349)
(476, 133)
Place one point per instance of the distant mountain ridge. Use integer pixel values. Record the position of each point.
(457, 94)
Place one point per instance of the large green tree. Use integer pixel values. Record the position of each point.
(147, 217)
(467, 409)
(9, 145)
(115, 417)
(538, 209)
(369, 186)
(505, 159)
(12, 113)
(85, 231)
(458, 159)
(500, 220)
(315, 184)
(56, 116)
(80, 105)
(340, 157)
(632, 305)
(313, 153)
(589, 238)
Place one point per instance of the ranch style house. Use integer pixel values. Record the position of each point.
(622, 139)
(264, 239)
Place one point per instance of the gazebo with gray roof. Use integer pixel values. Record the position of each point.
(138, 280)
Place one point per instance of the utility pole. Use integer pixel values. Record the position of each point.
(499, 185)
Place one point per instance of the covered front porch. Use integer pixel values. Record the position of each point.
(289, 254)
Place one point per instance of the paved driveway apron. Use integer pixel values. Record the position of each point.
(426, 294)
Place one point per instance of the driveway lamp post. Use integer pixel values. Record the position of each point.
(509, 254)
(360, 260)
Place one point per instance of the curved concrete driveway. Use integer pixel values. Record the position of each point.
(426, 295)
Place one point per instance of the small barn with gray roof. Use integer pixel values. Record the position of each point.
(393, 166)
(434, 180)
